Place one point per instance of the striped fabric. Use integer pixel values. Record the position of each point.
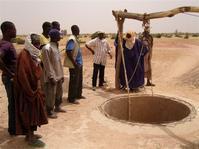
(101, 48)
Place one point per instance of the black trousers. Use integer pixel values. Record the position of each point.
(75, 83)
(9, 86)
(98, 68)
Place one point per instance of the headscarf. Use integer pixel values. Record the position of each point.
(130, 41)
(101, 34)
(34, 52)
(54, 33)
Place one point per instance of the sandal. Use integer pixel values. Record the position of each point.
(35, 136)
(36, 143)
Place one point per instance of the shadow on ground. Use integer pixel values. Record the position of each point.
(185, 144)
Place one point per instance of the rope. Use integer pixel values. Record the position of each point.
(136, 69)
(194, 15)
(136, 65)
(151, 87)
(62, 50)
(123, 62)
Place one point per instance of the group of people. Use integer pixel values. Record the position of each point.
(33, 79)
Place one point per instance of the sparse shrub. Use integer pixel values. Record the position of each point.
(94, 35)
(113, 36)
(195, 35)
(186, 36)
(158, 35)
(13, 40)
(167, 35)
(82, 41)
(64, 32)
(178, 35)
(20, 40)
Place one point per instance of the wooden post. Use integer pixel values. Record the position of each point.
(120, 22)
(120, 56)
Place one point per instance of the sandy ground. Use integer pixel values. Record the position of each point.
(175, 73)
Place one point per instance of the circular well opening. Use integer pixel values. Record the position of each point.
(146, 109)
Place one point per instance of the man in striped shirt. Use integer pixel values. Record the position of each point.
(99, 48)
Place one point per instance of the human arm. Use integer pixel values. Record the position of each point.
(90, 49)
(110, 55)
(22, 77)
(116, 41)
(3, 66)
(91, 43)
(143, 47)
(47, 64)
(70, 56)
(109, 50)
(70, 46)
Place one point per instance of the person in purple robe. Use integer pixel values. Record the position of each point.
(134, 52)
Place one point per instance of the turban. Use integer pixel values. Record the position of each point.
(130, 39)
(34, 51)
(54, 33)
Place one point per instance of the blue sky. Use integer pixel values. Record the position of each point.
(93, 15)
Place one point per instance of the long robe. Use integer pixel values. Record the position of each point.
(148, 41)
(131, 57)
(30, 108)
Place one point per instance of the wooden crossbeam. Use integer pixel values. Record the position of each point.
(141, 17)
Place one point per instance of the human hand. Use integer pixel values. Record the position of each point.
(11, 74)
(62, 79)
(52, 81)
(110, 56)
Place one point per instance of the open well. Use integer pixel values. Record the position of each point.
(149, 109)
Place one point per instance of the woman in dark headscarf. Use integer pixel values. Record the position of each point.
(30, 111)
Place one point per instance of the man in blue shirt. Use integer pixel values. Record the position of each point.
(74, 53)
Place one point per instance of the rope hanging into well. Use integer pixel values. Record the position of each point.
(120, 39)
(146, 25)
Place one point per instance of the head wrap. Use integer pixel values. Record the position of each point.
(101, 33)
(130, 41)
(34, 52)
(54, 33)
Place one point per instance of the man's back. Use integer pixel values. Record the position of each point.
(9, 55)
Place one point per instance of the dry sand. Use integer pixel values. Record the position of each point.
(175, 73)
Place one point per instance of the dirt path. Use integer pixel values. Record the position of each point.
(175, 73)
